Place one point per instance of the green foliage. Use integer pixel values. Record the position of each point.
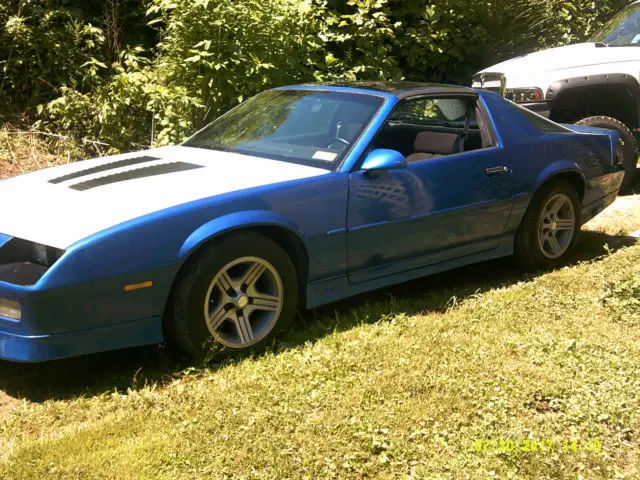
(212, 54)
(121, 111)
(623, 299)
(49, 45)
(225, 51)
(32, 41)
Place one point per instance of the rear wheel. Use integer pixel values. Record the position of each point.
(236, 295)
(550, 227)
(628, 152)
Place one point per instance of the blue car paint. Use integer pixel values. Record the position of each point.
(439, 219)
(384, 159)
(38, 348)
(4, 239)
(233, 221)
(397, 207)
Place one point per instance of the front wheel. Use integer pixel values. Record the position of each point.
(550, 227)
(237, 294)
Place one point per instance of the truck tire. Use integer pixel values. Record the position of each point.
(629, 158)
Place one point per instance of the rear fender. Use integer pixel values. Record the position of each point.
(613, 135)
(559, 168)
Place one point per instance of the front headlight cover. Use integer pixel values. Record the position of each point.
(23, 262)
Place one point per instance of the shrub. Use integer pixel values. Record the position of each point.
(42, 49)
(212, 54)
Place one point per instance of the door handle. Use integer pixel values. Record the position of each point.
(497, 170)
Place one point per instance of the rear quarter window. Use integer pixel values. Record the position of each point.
(541, 123)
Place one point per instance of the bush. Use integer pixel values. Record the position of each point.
(212, 54)
(32, 41)
(47, 45)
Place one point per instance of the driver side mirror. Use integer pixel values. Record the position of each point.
(383, 159)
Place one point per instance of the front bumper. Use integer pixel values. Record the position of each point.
(40, 348)
(84, 318)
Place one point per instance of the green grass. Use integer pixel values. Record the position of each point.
(397, 384)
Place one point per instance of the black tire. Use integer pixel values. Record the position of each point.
(629, 144)
(529, 253)
(185, 314)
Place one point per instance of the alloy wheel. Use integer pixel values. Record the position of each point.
(556, 226)
(243, 302)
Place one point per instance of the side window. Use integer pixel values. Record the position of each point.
(436, 111)
(432, 127)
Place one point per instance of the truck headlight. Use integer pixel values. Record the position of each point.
(523, 95)
(10, 309)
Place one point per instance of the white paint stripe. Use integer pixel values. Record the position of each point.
(56, 215)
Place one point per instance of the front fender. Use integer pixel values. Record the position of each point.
(234, 221)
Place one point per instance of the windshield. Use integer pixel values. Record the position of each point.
(310, 127)
(622, 30)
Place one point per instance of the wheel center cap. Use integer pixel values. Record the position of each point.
(554, 225)
(242, 301)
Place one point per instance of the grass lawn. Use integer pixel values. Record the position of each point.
(408, 382)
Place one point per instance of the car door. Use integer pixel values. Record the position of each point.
(453, 199)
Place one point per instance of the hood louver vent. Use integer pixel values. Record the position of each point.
(135, 174)
(106, 167)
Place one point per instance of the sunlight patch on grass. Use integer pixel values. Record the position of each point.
(621, 218)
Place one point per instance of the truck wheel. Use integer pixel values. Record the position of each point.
(629, 155)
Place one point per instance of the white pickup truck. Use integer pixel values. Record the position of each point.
(595, 83)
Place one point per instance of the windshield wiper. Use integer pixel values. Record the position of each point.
(601, 45)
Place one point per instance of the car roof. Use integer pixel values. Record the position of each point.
(399, 89)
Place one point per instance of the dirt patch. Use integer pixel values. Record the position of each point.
(621, 218)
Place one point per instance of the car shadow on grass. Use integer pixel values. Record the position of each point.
(134, 368)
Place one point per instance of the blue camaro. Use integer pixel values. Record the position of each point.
(299, 196)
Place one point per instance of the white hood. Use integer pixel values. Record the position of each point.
(547, 66)
(59, 206)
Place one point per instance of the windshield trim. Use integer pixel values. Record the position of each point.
(333, 166)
